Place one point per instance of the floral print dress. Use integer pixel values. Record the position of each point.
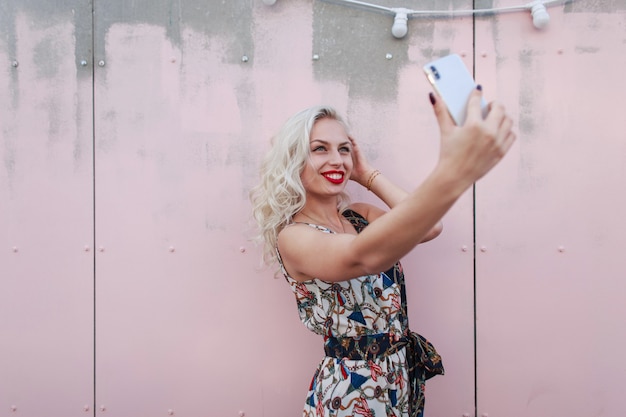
(366, 371)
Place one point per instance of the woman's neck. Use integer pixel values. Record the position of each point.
(323, 215)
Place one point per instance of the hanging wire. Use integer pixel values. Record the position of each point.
(537, 9)
(439, 13)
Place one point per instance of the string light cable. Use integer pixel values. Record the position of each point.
(401, 15)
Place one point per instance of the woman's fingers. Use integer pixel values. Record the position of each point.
(361, 167)
(474, 148)
(503, 126)
(474, 106)
(445, 121)
(509, 139)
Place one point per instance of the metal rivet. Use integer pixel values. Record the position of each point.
(15, 64)
(103, 407)
(484, 54)
(86, 408)
(485, 415)
(245, 58)
(15, 249)
(560, 52)
(87, 248)
(483, 249)
(316, 57)
(14, 408)
(101, 249)
(561, 249)
(463, 54)
(242, 414)
(101, 63)
(172, 249)
(464, 248)
(466, 415)
(83, 63)
(389, 56)
(170, 412)
(242, 249)
(173, 60)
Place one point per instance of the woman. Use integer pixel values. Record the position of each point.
(342, 260)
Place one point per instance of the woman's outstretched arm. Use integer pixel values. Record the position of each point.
(467, 153)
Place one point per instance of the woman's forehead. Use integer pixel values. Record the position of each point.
(328, 129)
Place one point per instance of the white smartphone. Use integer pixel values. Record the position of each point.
(453, 83)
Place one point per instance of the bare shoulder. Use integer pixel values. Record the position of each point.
(291, 234)
(292, 229)
(294, 242)
(301, 248)
(369, 211)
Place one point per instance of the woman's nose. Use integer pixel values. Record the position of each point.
(335, 157)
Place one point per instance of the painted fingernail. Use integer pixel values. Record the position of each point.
(432, 98)
(479, 87)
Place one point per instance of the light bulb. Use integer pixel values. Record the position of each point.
(400, 26)
(540, 15)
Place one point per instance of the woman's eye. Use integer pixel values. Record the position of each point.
(345, 149)
(319, 148)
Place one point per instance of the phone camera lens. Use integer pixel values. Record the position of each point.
(435, 72)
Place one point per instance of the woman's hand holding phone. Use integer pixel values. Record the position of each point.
(473, 149)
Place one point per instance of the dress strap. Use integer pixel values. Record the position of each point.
(359, 222)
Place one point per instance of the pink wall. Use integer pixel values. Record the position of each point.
(550, 284)
(129, 284)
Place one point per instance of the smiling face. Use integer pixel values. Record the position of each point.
(330, 161)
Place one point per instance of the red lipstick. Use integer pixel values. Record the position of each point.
(336, 177)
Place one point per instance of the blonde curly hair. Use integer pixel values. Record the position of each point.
(280, 193)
